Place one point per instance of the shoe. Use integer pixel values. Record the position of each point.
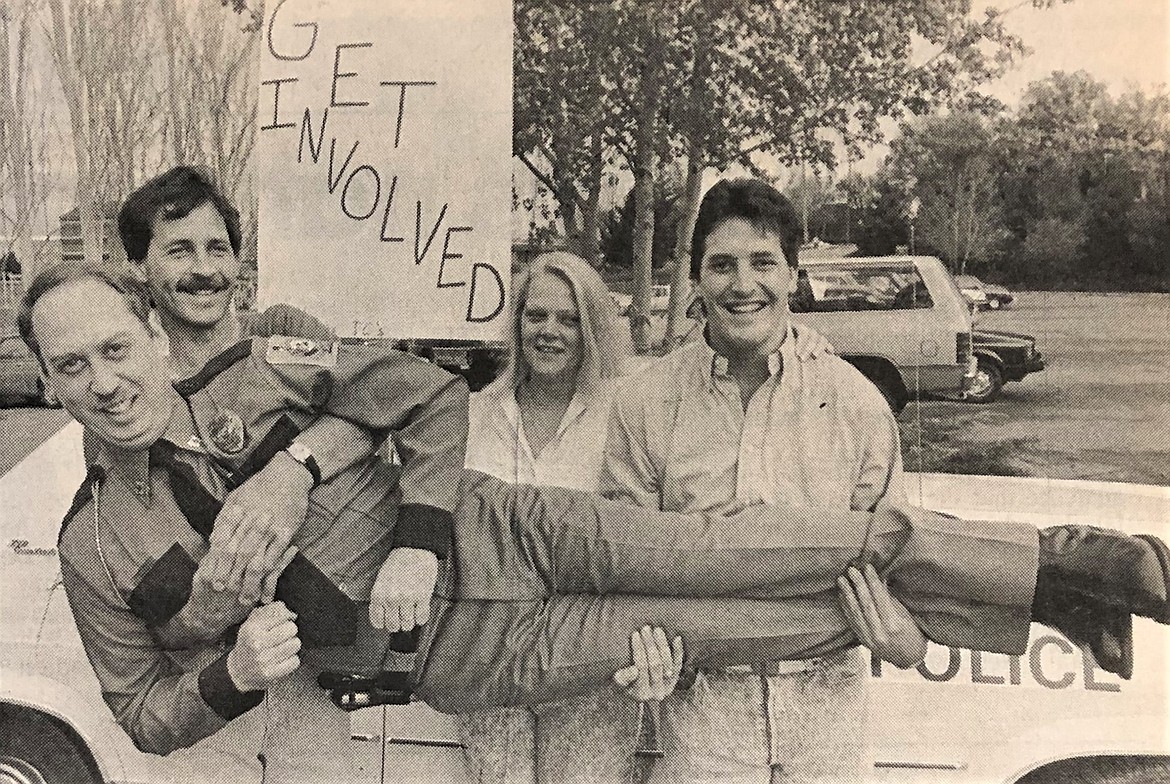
(1127, 572)
(1105, 630)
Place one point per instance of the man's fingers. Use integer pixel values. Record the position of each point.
(677, 652)
(853, 612)
(625, 678)
(422, 612)
(881, 598)
(665, 660)
(638, 649)
(653, 660)
(405, 617)
(865, 599)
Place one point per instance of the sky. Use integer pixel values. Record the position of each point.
(1117, 41)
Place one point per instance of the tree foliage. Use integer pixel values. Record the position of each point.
(1071, 189)
(625, 84)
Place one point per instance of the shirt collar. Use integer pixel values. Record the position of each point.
(133, 468)
(784, 353)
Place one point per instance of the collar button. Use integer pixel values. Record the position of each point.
(141, 489)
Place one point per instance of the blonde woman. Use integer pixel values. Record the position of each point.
(544, 422)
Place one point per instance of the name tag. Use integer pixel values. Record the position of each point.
(285, 350)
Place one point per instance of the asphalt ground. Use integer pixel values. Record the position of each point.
(1100, 410)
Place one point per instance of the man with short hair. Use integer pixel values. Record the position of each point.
(183, 238)
(737, 418)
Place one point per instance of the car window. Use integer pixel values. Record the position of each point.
(860, 288)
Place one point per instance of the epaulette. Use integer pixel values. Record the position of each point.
(83, 496)
(216, 365)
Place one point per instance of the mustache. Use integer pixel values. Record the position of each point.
(195, 282)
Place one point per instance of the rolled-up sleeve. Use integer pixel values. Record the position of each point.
(424, 409)
(628, 473)
(159, 705)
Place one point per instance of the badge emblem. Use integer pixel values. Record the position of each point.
(301, 347)
(228, 433)
(285, 350)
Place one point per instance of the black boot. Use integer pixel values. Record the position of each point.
(1131, 573)
(1107, 631)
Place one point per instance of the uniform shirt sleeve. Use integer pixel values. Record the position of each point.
(284, 319)
(628, 472)
(159, 705)
(423, 407)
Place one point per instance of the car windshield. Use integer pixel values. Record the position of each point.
(968, 281)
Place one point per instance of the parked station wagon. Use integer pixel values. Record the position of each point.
(900, 320)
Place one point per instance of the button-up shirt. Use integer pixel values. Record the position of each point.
(815, 434)
(498, 445)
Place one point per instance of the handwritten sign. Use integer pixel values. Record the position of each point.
(384, 149)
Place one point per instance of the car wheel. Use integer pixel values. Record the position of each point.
(987, 383)
(993, 303)
(36, 749)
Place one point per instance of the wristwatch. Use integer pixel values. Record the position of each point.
(302, 454)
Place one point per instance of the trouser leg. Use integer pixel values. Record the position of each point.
(517, 541)
(479, 654)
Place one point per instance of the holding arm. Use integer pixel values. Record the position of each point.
(159, 705)
(271, 505)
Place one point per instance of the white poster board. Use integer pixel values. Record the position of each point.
(384, 164)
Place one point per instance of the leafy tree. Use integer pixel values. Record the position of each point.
(947, 162)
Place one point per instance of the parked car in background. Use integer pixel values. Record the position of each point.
(1000, 356)
(900, 320)
(997, 296)
(20, 375)
(972, 290)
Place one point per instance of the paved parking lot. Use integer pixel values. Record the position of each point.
(1101, 410)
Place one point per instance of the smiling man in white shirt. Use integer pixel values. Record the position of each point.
(738, 418)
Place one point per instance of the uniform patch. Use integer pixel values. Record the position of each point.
(286, 350)
(228, 433)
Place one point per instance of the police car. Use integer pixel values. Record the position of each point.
(1048, 716)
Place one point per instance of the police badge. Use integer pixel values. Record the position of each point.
(228, 433)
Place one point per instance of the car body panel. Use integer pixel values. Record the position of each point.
(917, 338)
(1015, 352)
(19, 371)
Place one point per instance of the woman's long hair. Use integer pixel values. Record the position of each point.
(605, 337)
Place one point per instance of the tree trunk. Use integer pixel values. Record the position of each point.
(591, 211)
(69, 46)
(170, 19)
(681, 263)
(645, 141)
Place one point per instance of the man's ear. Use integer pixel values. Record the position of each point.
(793, 279)
(158, 334)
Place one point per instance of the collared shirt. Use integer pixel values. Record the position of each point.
(169, 699)
(815, 434)
(498, 445)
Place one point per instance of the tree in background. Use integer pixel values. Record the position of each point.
(150, 84)
(949, 163)
(716, 84)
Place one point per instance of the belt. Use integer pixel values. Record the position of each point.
(771, 669)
